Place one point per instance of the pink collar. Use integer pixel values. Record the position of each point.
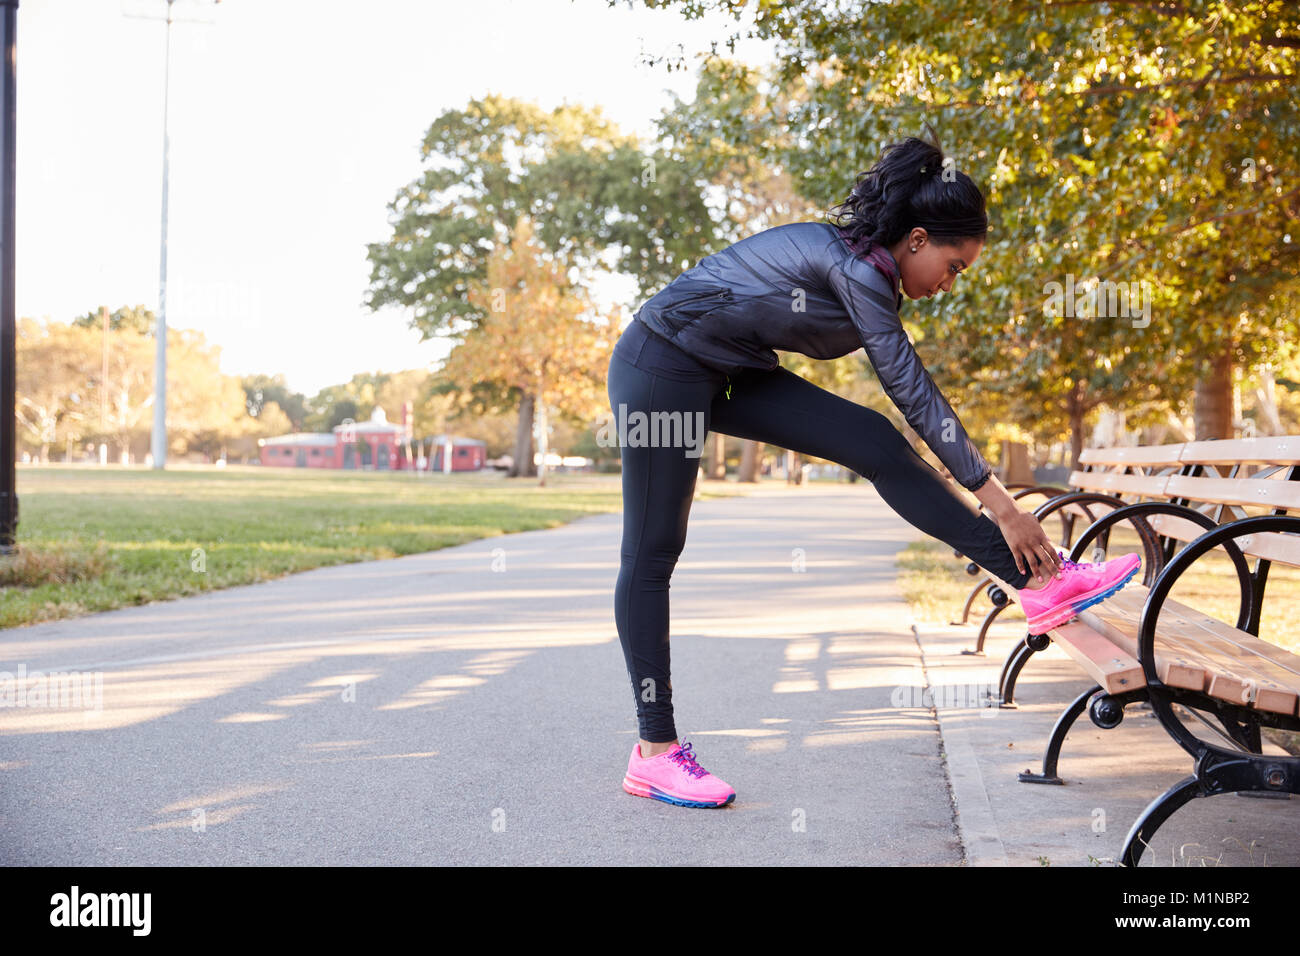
(879, 257)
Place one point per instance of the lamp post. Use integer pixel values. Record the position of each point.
(158, 438)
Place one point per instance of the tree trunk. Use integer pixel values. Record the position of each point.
(793, 468)
(717, 467)
(750, 454)
(1074, 405)
(523, 466)
(1214, 399)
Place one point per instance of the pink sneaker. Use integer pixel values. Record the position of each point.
(675, 777)
(1073, 588)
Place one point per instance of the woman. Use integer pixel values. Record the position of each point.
(704, 347)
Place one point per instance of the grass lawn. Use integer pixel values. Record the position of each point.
(92, 539)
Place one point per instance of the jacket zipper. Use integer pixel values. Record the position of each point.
(728, 386)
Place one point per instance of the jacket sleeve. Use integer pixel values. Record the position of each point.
(872, 306)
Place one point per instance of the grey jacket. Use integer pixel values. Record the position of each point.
(801, 288)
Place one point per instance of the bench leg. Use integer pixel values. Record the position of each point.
(974, 593)
(1011, 669)
(1006, 669)
(1217, 771)
(1160, 810)
(984, 628)
(1063, 725)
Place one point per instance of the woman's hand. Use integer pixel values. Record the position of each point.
(1033, 550)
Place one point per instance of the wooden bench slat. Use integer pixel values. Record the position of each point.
(1110, 667)
(1117, 621)
(1231, 673)
(1270, 686)
(1234, 670)
(1281, 661)
(1262, 449)
(1173, 526)
(1146, 455)
(1278, 546)
(1263, 492)
(1149, 486)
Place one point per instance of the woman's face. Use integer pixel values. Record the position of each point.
(932, 268)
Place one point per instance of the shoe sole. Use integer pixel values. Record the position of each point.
(1045, 622)
(639, 789)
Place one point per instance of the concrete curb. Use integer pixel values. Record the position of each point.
(976, 825)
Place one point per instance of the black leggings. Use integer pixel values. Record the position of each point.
(650, 374)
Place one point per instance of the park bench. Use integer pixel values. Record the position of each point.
(1140, 645)
(1104, 483)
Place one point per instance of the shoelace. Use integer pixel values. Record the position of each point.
(686, 760)
(1068, 565)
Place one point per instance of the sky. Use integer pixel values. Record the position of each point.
(293, 123)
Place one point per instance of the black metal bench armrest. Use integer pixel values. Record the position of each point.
(1159, 695)
(1135, 514)
(1075, 497)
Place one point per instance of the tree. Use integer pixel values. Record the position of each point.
(204, 407)
(63, 395)
(133, 318)
(592, 194)
(53, 401)
(534, 337)
(1141, 143)
(260, 389)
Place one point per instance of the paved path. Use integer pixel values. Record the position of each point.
(470, 705)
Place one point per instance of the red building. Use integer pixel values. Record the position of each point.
(452, 453)
(301, 450)
(375, 445)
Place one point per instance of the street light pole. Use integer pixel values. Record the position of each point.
(8, 331)
(158, 438)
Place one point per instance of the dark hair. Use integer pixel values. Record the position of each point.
(907, 188)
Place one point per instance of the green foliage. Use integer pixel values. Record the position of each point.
(260, 389)
(597, 197)
(1131, 142)
(135, 318)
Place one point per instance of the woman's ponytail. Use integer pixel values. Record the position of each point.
(907, 188)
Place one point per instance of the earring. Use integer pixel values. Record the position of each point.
(914, 248)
